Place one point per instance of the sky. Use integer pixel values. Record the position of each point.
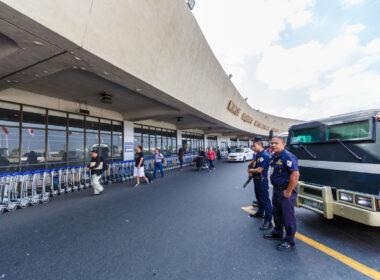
(302, 59)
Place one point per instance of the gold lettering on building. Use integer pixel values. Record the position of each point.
(233, 108)
(246, 118)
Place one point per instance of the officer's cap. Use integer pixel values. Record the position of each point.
(258, 138)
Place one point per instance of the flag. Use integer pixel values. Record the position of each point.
(5, 130)
(31, 132)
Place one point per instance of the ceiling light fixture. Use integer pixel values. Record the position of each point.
(106, 98)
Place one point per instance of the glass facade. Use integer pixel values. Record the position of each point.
(244, 143)
(150, 137)
(191, 142)
(212, 142)
(37, 138)
(233, 143)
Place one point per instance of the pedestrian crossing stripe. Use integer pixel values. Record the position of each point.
(374, 274)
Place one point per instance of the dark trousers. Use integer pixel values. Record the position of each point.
(262, 196)
(283, 214)
(211, 163)
(181, 162)
(158, 165)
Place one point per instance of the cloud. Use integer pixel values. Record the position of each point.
(240, 29)
(349, 3)
(337, 77)
(355, 28)
(350, 89)
(302, 66)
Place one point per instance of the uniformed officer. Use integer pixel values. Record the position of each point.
(255, 203)
(259, 170)
(284, 180)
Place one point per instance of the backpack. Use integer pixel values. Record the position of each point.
(105, 164)
(162, 160)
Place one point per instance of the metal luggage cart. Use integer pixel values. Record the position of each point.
(3, 204)
(119, 172)
(27, 189)
(54, 181)
(39, 185)
(81, 174)
(130, 165)
(122, 171)
(62, 181)
(14, 192)
(86, 177)
(7, 193)
(73, 180)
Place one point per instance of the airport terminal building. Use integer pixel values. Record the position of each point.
(113, 74)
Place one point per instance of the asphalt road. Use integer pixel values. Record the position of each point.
(188, 225)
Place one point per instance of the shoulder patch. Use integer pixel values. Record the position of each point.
(289, 163)
(261, 159)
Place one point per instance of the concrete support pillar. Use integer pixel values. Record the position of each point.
(179, 139)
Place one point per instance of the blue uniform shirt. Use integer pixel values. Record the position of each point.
(283, 164)
(262, 160)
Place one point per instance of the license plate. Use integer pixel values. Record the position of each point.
(232, 158)
(314, 204)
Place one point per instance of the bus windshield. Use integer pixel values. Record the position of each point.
(309, 135)
(349, 131)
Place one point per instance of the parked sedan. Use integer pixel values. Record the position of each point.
(241, 154)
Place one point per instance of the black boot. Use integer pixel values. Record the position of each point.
(285, 246)
(272, 236)
(256, 215)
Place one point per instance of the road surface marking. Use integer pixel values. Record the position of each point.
(336, 255)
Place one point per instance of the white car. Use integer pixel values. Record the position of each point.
(241, 154)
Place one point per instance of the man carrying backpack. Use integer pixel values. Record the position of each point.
(96, 167)
(158, 160)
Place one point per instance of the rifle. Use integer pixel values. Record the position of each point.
(247, 182)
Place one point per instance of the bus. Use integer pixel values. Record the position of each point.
(339, 162)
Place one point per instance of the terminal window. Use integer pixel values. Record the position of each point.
(37, 138)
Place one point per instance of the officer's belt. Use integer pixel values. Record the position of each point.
(284, 187)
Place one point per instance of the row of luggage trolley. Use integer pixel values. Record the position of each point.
(30, 188)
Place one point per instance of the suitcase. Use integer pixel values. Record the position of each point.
(149, 176)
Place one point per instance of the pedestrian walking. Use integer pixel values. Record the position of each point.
(180, 158)
(139, 170)
(211, 158)
(96, 168)
(158, 158)
(218, 153)
(228, 149)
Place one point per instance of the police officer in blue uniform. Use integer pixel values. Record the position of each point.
(284, 180)
(258, 169)
(255, 203)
